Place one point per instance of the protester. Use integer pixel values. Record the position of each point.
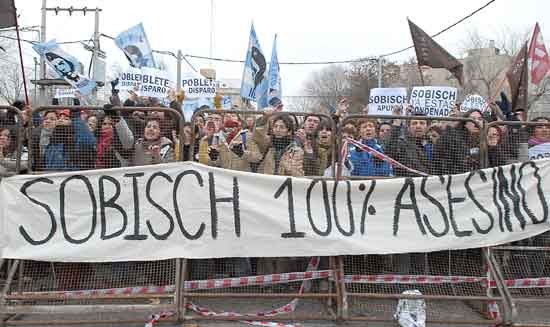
(324, 146)
(153, 148)
(457, 151)
(231, 147)
(362, 162)
(41, 138)
(540, 134)
(282, 156)
(8, 154)
(411, 148)
(71, 145)
(496, 152)
(384, 131)
(341, 111)
(115, 141)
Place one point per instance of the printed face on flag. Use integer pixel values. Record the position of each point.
(133, 42)
(65, 65)
(254, 80)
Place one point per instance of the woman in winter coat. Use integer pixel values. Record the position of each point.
(71, 145)
(539, 140)
(153, 148)
(281, 154)
(115, 141)
(8, 154)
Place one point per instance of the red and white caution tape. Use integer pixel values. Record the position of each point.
(541, 282)
(288, 308)
(156, 317)
(207, 284)
(411, 279)
(381, 156)
(256, 280)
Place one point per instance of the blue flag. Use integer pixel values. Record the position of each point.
(133, 42)
(274, 92)
(254, 81)
(65, 65)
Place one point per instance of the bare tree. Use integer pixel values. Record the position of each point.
(326, 86)
(11, 77)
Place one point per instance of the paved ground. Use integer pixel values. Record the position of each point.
(454, 310)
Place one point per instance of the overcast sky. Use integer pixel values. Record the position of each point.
(316, 30)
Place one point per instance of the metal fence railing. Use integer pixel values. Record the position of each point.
(525, 264)
(456, 287)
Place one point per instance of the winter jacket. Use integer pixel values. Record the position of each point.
(456, 152)
(142, 156)
(413, 152)
(119, 150)
(365, 164)
(72, 148)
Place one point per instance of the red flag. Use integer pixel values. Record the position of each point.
(540, 63)
(517, 78)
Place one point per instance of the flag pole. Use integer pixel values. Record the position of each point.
(421, 75)
(21, 58)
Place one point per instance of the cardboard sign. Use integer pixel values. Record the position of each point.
(433, 101)
(382, 100)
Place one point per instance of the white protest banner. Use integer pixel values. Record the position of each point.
(65, 93)
(434, 101)
(541, 151)
(473, 101)
(149, 82)
(382, 100)
(197, 86)
(188, 210)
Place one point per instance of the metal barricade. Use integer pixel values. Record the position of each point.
(452, 283)
(244, 140)
(84, 138)
(457, 287)
(408, 146)
(526, 263)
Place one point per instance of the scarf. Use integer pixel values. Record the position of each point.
(45, 135)
(537, 141)
(280, 145)
(105, 141)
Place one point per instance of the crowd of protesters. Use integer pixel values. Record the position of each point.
(268, 142)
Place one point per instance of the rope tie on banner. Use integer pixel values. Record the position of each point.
(375, 154)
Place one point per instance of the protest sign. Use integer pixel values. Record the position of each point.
(197, 86)
(382, 100)
(65, 65)
(64, 93)
(189, 210)
(149, 82)
(433, 101)
(474, 101)
(541, 151)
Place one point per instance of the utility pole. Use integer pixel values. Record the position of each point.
(211, 52)
(96, 51)
(179, 57)
(42, 62)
